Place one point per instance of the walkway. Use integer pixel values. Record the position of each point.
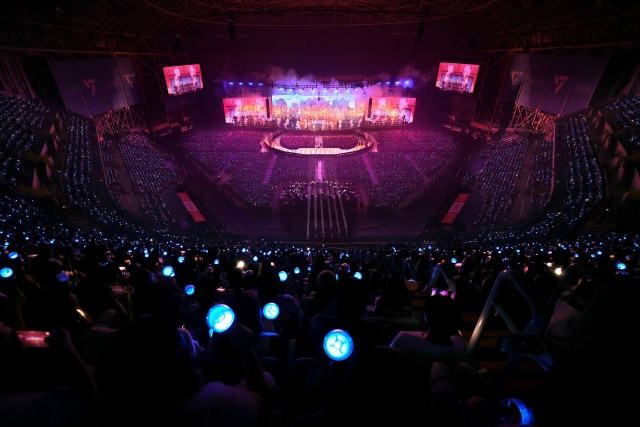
(267, 176)
(372, 174)
(415, 165)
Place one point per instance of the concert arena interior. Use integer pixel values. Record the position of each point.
(294, 214)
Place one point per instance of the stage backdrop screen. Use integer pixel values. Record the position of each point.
(457, 77)
(182, 78)
(310, 111)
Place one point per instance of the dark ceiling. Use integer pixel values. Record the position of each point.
(201, 27)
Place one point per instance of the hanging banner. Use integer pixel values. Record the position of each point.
(68, 84)
(91, 87)
(536, 81)
(515, 76)
(129, 78)
(585, 83)
(560, 82)
(111, 83)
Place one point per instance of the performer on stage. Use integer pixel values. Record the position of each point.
(176, 79)
(194, 80)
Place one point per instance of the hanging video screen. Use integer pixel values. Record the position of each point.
(455, 77)
(182, 78)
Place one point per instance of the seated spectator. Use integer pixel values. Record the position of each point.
(442, 317)
(326, 291)
(288, 324)
(356, 395)
(146, 376)
(351, 306)
(393, 300)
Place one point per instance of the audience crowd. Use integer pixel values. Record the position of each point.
(293, 141)
(129, 335)
(126, 335)
(248, 171)
(415, 140)
(150, 174)
(542, 167)
(290, 168)
(344, 142)
(623, 117)
(397, 179)
(297, 193)
(219, 140)
(626, 112)
(497, 181)
(583, 175)
(23, 131)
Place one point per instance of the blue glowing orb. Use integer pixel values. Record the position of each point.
(168, 272)
(283, 276)
(338, 345)
(189, 289)
(13, 255)
(63, 276)
(271, 310)
(454, 260)
(309, 268)
(599, 252)
(255, 259)
(220, 317)
(244, 249)
(6, 272)
(527, 417)
(181, 259)
(296, 270)
(357, 275)
(621, 266)
(216, 261)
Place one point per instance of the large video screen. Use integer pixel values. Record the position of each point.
(245, 109)
(386, 109)
(182, 78)
(455, 77)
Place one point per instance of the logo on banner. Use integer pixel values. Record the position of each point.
(560, 81)
(90, 84)
(129, 78)
(515, 77)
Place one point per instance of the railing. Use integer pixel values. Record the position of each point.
(534, 325)
(440, 271)
(572, 275)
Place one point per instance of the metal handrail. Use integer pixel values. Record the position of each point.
(440, 270)
(536, 323)
(562, 285)
(585, 320)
